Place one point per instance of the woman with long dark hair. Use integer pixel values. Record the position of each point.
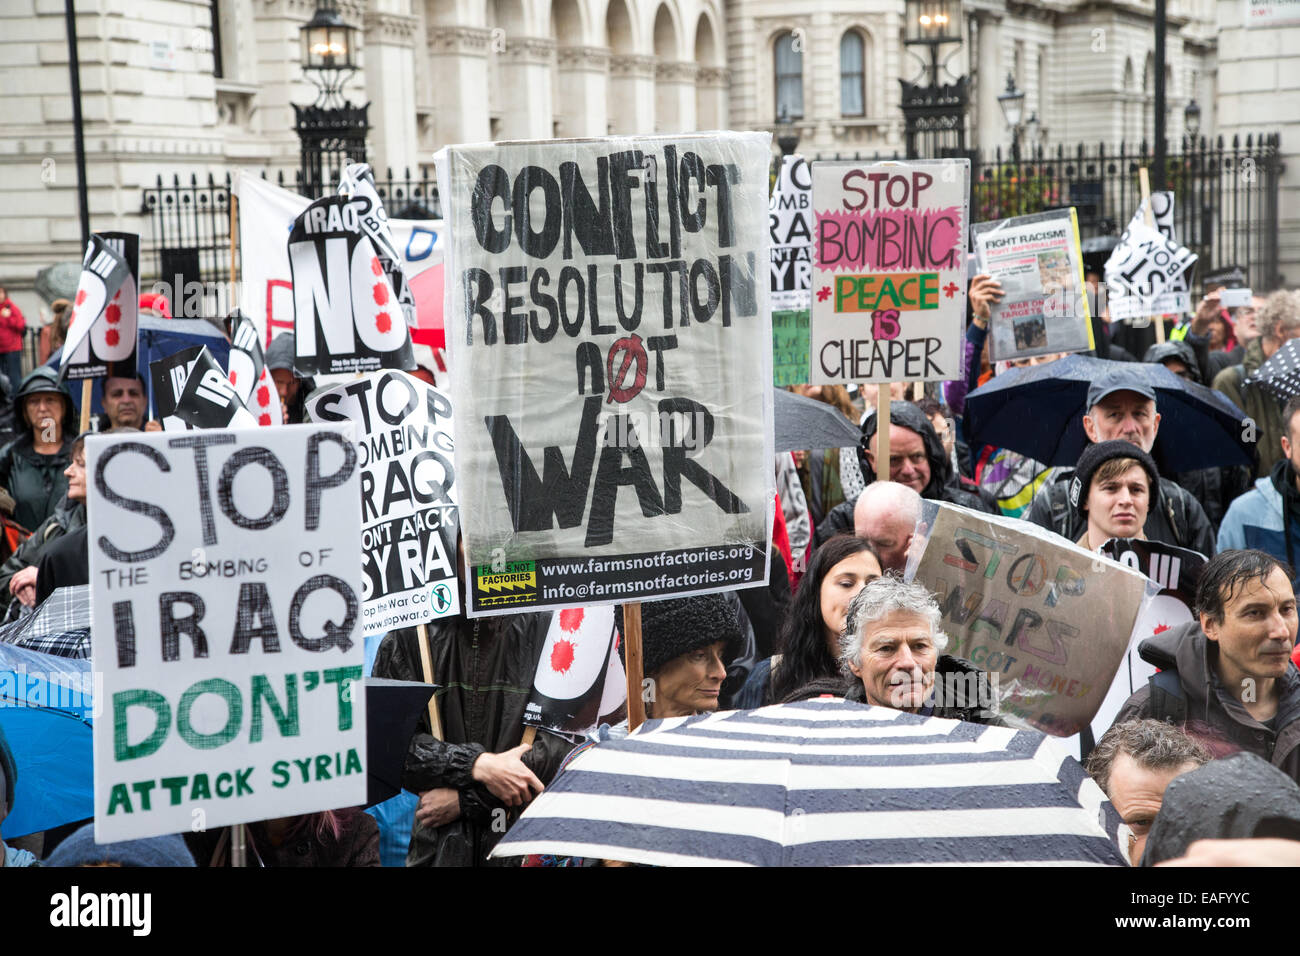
(839, 569)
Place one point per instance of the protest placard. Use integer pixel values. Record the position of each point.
(1177, 571)
(570, 678)
(248, 372)
(1272, 13)
(790, 227)
(1048, 621)
(889, 271)
(104, 272)
(408, 496)
(169, 376)
(1148, 271)
(1176, 296)
(209, 400)
(1039, 264)
(225, 625)
(607, 314)
(790, 347)
(105, 344)
(266, 214)
(347, 316)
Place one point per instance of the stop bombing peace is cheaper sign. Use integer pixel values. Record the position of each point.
(889, 271)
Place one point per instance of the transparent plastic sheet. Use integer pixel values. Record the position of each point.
(1038, 261)
(610, 340)
(1047, 620)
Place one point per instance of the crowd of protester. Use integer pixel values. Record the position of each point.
(836, 617)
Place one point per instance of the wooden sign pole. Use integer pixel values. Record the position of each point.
(632, 662)
(86, 383)
(426, 665)
(882, 433)
(1144, 182)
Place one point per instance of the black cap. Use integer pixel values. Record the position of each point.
(1119, 380)
(1094, 456)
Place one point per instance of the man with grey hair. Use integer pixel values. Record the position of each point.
(1278, 320)
(885, 515)
(1133, 763)
(893, 650)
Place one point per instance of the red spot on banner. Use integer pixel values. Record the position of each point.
(111, 337)
(375, 267)
(81, 296)
(571, 619)
(264, 419)
(383, 322)
(113, 314)
(1160, 629)
(264, 396)
(380, 293)
(562, 656)
(233, 374)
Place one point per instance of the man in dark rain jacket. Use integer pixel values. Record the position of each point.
(918, 460)
(472, 780)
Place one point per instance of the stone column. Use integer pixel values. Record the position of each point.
(458, 58)
(526, 110)
(675, 97)
(991, 127)
(711, 107)
(389, 49)
(631, 94)
(582, 109)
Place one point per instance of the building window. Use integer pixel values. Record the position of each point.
(853, 94)
(789, 77)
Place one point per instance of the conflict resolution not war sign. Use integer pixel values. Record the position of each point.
(889, 271)
(224, 566)
(607, 304)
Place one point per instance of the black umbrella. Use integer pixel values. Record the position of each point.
(1280, 375)
(59, 281)
(393, 709)
(1038, 412)
(805, 423)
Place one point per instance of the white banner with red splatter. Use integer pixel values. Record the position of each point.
(570, 676)
(347, 316)
(266, 214)
(607, 305)
(889, 271)
(408, 496)
(102, 329)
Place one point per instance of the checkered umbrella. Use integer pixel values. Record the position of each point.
(1280, 375)
(820, 783)
(60, 626)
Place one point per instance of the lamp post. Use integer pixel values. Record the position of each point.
(330, 125)
(1191, 122)
(935, 108)
(787, 137)
(1012, 103)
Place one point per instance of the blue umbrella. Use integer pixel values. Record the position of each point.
(1038, 412)
(45, 710)
(160, 338)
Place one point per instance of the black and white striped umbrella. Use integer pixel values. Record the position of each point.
(821, 783)
(1280, 375)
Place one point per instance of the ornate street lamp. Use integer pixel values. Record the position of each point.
(787, 137)
(330, 127)
(1192, 119)
(937, 109)
(329, 56)
(1012, 102)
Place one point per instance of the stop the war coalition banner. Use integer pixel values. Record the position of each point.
(408, 498)
(608, 316)
(889, 271)
(225, 624)
(102, 327)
